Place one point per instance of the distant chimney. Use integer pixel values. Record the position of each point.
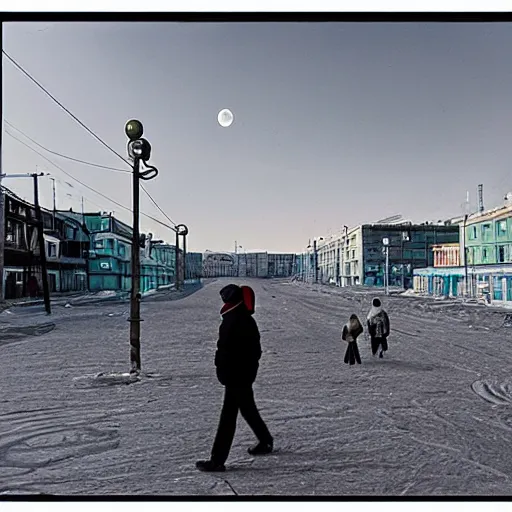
(480, 198)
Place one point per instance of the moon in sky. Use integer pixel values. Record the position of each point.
(225, 117)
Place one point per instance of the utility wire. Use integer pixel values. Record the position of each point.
(64, 156)
(30, 77)
(89, 163)
(87, 186)
(156, 204)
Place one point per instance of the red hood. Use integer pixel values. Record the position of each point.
(249, 298)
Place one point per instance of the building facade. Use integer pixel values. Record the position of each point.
(194, 266)
(65, 245)
(251, 264)
(109, 257)
(357, 256)
(481, 265)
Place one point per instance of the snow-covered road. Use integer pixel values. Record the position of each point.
(434, 417)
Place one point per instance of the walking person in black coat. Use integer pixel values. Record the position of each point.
(351, 331)
(237, 361)
(378, 327)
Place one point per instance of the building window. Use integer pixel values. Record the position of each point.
(501, 228)
(473, 233)
(502, 254)
(121, 249)
(105, 224)
(486, 232)
(485, 254)
(52, 250)
(9, 232)
(98, 244)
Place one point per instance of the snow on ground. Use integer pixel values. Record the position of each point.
(433, 417)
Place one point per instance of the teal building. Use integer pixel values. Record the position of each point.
(109, 257)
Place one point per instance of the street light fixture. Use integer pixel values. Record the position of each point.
(385, 243)
(138, 149)
(181, 230)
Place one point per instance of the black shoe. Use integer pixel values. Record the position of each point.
(209, 466)
(261, 448)
(381, 355)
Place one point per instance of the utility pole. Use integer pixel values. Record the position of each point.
(315, 259)
(86, 231)
(2, 216)
(42, 248)
(182, 230)
(54, 204)
(177, 258)
(465, 258)
(184, 259)
(135, 291)
(138, 149)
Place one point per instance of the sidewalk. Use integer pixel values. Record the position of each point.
(28, 317)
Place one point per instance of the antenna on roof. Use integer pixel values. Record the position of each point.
(480, 198)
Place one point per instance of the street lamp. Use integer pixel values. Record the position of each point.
(184, 232)
(180, 230)
(385, 243)
(466, 294)
(139, 149)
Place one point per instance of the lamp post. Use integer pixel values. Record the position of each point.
(385, 243)
(182, 230)
(139, 149)
(177, 259)
(465, 258)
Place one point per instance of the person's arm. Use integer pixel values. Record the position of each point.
(344, 333)
(387, 326)
(223, 344)
(371, 329)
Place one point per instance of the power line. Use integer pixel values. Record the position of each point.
(88, 163)
(28, 75)
(87, 186)
(156, 204)
(64, 156)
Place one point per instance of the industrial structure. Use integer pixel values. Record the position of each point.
(255, 264)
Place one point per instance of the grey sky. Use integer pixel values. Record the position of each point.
(338, 123)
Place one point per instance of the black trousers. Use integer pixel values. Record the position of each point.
(237, 398)
(379, 341)
(352, 354)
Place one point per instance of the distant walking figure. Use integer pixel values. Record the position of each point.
(237, 361)
(351, 331)
(378, 327)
